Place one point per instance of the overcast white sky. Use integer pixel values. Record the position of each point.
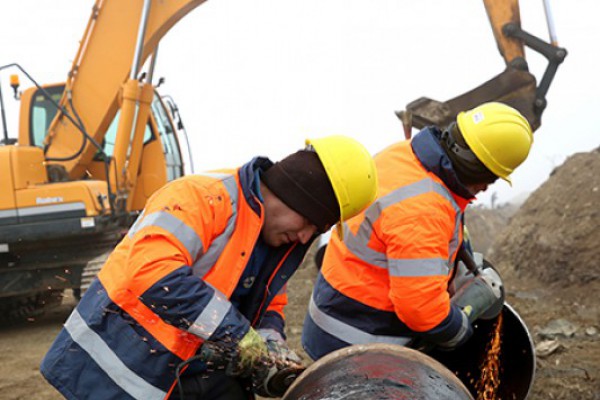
(256, 77)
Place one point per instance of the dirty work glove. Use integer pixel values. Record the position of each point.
(278, 347)
(274, 377)
(251, 351)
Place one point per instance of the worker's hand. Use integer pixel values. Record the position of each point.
(251, 352)
(273, 378)
(278, 347)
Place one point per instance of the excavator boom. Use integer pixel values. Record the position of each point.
(501, 13)
(100, 69)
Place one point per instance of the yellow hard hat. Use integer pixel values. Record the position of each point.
(351, 171)
(498, 135)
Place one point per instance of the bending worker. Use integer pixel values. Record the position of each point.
(207, 264)
(387, 281)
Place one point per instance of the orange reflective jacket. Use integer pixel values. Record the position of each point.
(166, 288)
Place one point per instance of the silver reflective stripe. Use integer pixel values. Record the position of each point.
(454, 242)
(8, 213)
(358, 244)
(215, 175)
(53, 208)
(464, 328)
(110, 363)
(211, 317)
(349, 333)
(170, 223)
(206, 262)
(134, 228)
(418, 267)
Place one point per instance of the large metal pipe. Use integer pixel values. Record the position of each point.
(385, 371)
(377, 371)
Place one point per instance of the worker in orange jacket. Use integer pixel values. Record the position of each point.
(203, 272)
(387, 280)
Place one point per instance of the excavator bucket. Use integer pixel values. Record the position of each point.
(514, 87)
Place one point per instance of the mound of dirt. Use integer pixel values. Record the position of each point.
(549, 258)
(484, 224)
(554, 236)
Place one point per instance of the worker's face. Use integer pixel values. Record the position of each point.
(282, 225)
(477, 188)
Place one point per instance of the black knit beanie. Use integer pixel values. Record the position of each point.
(469, 170)
(300, 181)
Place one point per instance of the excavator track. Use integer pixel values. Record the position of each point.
(25, 308)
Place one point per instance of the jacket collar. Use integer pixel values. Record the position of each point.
(249, 175)
(426, 146)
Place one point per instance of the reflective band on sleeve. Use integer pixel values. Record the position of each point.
(348, 333)
(134, 228)
(464, 328)
(206, 262)
(211, 317)
(106, 359)
(359, 244)
(418, 267)
(170, 223)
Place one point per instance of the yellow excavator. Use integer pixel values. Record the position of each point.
(91, 151)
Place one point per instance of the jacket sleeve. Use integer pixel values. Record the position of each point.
(418, 252)
(178, 224)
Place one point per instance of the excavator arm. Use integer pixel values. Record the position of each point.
(515, 86)
(104, 79)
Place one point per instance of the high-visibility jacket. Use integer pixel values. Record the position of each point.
(387, 281)
(166, 288)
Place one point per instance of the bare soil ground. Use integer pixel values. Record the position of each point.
(548, 253)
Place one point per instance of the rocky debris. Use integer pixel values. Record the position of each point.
(558, 328)
(547, 347)
(591, 331)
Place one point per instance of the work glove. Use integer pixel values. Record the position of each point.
(237, 361)
(278, 347)
(273, 378)
(251, 352)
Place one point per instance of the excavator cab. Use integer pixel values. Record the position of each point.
(56, 232)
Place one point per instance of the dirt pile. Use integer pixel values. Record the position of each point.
(549, 257)
(484, 224)
(554, 237)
